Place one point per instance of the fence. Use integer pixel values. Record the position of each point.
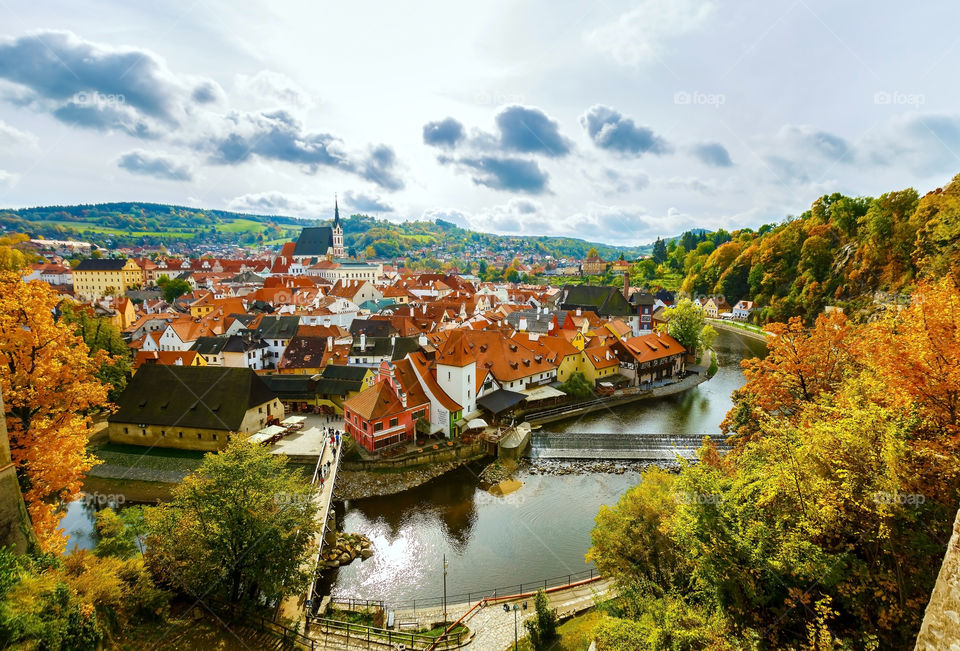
(468, 597)
(385, 636)
(286, 636)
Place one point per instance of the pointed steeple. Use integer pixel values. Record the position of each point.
(336, 212)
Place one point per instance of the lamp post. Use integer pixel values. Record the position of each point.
(515, 609)
(445, 588)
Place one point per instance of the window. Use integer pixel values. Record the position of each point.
(181, 435)
(418, 414)
(199, 436)
(364, 426)
(143, 432)
(163, 432)
(378, 426)
(126, 430)
(394, 422)
(214, 437)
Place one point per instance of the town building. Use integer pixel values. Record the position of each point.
(192, 407)
(95, 278)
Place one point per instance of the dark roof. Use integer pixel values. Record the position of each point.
(343, 372)
(247, 277)
(396, 348)
(643, 298)
(101, 264)
(536, 323)
(500, 400)
(372, 327)
(205, 397)
(304, 352)
(602, 299)
(308, 387)
(403, 346)
(278, 327)
(209, 345)
(314, 241)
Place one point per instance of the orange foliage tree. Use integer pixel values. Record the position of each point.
(49, 386)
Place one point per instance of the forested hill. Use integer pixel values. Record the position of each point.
(128, 224)
(847, 251)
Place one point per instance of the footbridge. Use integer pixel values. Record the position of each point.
(619, 445)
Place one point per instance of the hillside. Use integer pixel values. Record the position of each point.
(855, 252)
(186, 229)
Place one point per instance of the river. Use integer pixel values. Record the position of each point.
(541, 531)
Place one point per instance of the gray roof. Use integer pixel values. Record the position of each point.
(101, 264)
(278, 327)
(314, 241)
(205, 397)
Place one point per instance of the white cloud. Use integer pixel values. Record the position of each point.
(8, 179)
(11, 137)
(641, 34)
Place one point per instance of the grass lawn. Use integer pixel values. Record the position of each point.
(575, 633)
(241, 226)
(142, 457)
(182, 634)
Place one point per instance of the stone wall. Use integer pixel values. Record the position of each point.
(941, 622)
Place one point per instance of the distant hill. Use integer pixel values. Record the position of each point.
(186, 229)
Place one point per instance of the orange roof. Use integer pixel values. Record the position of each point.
(455, 351)
(653, 346)
(374, 402)
(601, 357)
(167, 357)
(423, 368)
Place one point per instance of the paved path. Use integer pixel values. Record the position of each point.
(292, 607)
(493, 627)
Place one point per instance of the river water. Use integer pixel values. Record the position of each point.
(540, 531)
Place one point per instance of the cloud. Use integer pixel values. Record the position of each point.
(452, 216)
(98, 86)
(278, 136)
(8, 179)
(361, 202)
(925, 143)
(207, 92)
(611, 181)
(13, 138)
(513, 174)
(280, 203)
(155, 165)
(530, 131)
(641, 34)
(611, 130)
(713, 154)
(272, 89)
(443, 133)
(798, 154)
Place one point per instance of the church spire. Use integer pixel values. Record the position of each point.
(336, 212)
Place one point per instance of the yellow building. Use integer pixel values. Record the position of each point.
(599, 363)
(95, 278)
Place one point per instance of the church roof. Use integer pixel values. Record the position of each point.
(314, 241)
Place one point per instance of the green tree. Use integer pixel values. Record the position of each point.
(578, 386)
(659, 251)
(100, 334)
(174, 289)
(685, 323)
(543, 628)
(239, 529)
(593, 253)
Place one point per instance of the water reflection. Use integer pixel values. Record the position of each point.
(540, 531)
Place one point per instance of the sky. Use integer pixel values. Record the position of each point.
(612, 121)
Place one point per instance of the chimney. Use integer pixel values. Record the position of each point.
(403, 398)
(626, 285)
(579, 312)
(393, 340)
(550, 326)
(329, 343)
(363, 341)
(422, 340)
(523, 324)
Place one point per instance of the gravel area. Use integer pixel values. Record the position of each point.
(358, 484)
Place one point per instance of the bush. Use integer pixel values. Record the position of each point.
(543, 628)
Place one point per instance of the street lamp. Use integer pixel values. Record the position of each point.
(516, 609)
(445, 566)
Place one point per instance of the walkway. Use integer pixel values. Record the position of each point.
(292, 607)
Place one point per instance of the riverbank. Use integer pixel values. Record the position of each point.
(746, 330)
(360, 484)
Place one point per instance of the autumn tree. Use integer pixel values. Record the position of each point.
(100, 334)
(686, 324)
(50, 387)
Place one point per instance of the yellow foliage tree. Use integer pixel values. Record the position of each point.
(49, 385)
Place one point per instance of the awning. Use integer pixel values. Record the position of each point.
(501, 400)
(266, 433)
(293, 420)
(544, 393)
(476, 423)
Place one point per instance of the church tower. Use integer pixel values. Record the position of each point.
(337, 231)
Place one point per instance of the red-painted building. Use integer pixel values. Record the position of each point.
(386, 413)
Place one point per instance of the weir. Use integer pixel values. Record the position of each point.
(620, 445)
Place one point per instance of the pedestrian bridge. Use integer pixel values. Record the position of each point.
(619, 445)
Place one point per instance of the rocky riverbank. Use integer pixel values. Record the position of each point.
(358, 484)
(348, 547)
(546, 467)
